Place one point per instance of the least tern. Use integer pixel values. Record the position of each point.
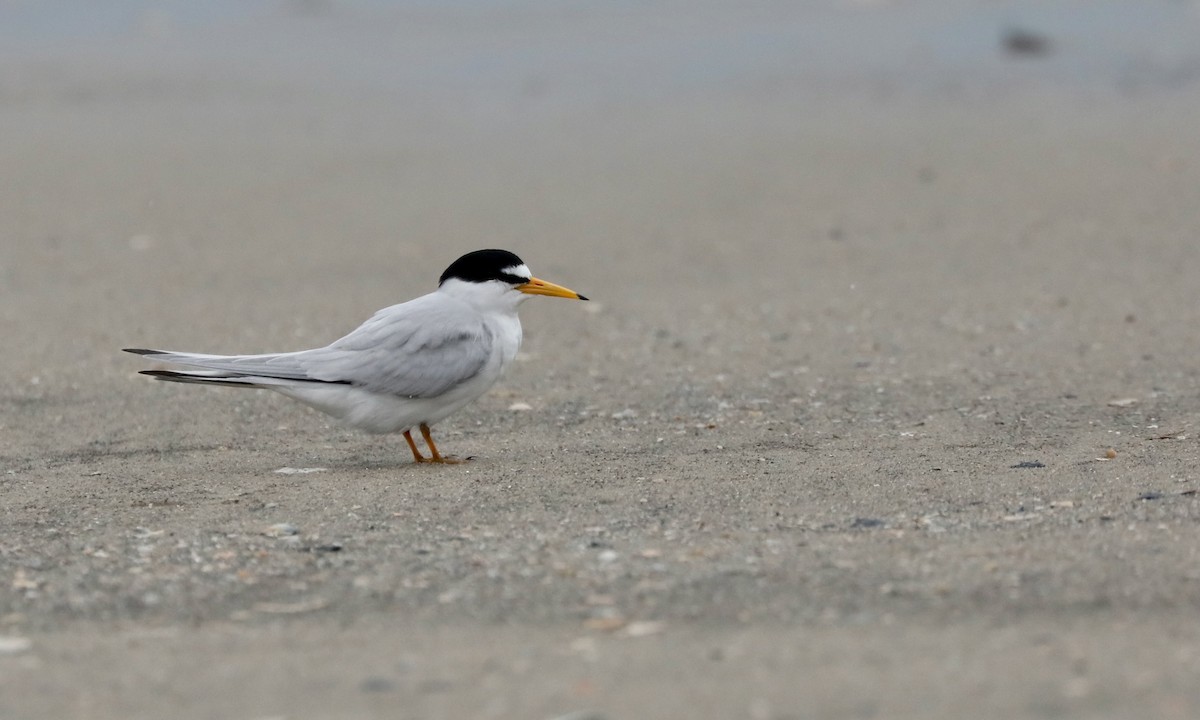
(407, 367)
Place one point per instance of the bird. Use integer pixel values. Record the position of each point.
(408, 366)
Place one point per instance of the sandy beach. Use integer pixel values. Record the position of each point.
(887, 402)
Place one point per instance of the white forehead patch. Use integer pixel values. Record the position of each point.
(519, 271)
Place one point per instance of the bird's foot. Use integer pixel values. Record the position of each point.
(435, 456)
(447, 460)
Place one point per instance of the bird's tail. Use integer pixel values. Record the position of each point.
(223, 372)
(206, 377)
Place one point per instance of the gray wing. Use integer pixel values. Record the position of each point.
(421, 348)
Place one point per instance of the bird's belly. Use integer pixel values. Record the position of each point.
(383, 413)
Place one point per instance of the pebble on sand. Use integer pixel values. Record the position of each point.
(281, 530)
(644, 628)
(12, 644)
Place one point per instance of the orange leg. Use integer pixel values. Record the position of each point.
(417, 456)
(436, 456)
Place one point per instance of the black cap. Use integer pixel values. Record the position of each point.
(484, 265)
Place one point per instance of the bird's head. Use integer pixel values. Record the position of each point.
(497, 278)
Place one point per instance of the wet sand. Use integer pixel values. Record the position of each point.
(886, 403)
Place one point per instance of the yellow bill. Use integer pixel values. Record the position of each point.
(541, 287)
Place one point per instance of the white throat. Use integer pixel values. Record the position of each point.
(493, 296)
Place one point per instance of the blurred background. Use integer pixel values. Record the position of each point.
(227, 153)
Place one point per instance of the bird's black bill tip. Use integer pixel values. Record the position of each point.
(142, 351)
(581, 297)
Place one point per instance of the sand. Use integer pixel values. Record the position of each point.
(887, 403)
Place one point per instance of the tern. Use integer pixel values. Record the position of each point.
(408, 366)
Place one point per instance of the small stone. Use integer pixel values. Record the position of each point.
(1021, 517)
(291, 608)
(21, 581)
(932, 524)
(626, 414)
(644, 628)
(1123, 402)
(279, 530)
(301, 471)
(1110, 454)
(520, 407)
(12, 644)
(1022, 41)
(608, 556)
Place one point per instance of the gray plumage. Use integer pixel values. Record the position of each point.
(418, 349)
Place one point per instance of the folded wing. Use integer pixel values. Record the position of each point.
(418, 349)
